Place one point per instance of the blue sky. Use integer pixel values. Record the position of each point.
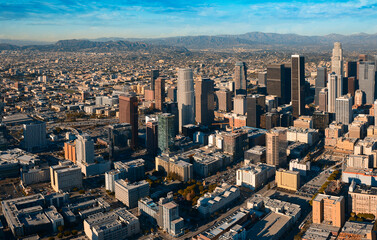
(67, 19)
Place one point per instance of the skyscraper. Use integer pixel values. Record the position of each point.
(239, 103)
(352, 84)
(344, 109)
(224, 99)
(255, 108)
(298, 85)
(276, 143)
(352, 69)
(84, 149)
(159, 93)
(204, 98)
(128, 113)
(278, 82)
(337, 60)
(320, 82)
(375, 112)
(332, 86)
(323, 100)
(166, 132)
(152, 138)
(34, 136)
(367, 80)
(154, 75)
(186, 97)
(240, 78)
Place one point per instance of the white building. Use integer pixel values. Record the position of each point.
(299, 166)
(130, 193)
(84, 149)
(304, 135)
(186, 97)
(254, 176)
(221, 197)
(64, 178)
(116, 225)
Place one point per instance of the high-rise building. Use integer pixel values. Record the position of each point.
(359, 98)
(330, 209)
(320, 82)
(204, 98)
(278, 82)
(255, 108)
(239, 103)
(375, 113)
(298, 85)
(332, 87)
(276, 143)
(186, 97)
(343, 112)
(352, 85)
(119, 137)
(84, 149)
(128, 113)
(154, 75)
(65, 178)
(166, 132)
(70, 151)
(130, 193)
(337, 60)
(159, 93)
(367, 80)
(323, 100)
(224, 99)
(34, 136)
(240, 78)
(152, 139)
(352, 69)
(262, 78)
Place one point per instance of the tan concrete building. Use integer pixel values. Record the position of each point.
(70, 151)
(130, 193)
(276, 143)
(362, 199)
(329, 209)
(183, 169)
(303, 122)
(287, 179)
(65, 178)
(357, 230)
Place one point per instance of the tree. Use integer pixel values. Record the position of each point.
(61, 228)
(74, 232)
(67, 233)
(60, 235)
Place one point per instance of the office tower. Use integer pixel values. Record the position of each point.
(270, 120)
(240, 78)
(152, 139)
(172, 93)
(287, 179)
(359, 98)
(320, 82)
(262, 78)
(159, 93)
(352, 85)
(239, 103)
(70, 151)
(154, 75)
(298, 85)
(321, 120)
(332, 86)
(276, 144)
(343, 113)
(204, 98)
(186, 101)
(337, 60)
(65, 178)
(128, 113)
(119, 137)
(130, 193)
(84, 149)
(278, 82)
(367, 80)
(323, 100)
(329, 209)
(255, 108)
(352, 69)
(34, 136)
(166, 131)
(224, 99)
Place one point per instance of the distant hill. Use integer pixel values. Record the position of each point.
(93, 46)
(251, 40)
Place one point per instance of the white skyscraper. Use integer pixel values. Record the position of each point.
(186, 97)
(344, 109)
(337, 59)
(332, 86)
(84, 149)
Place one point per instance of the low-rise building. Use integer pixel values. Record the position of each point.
(35, 175)
(304, 135)
(130, 193)
(168, 164)
(303, 167)
(357, 230)
(254, 176)
(65, 178)
(287, 179)
(362, 199)
(256, 154)
(221, 197)
(115, 225)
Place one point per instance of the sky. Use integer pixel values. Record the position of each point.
(53, 20)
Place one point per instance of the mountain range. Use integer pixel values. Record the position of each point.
(252, 40)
